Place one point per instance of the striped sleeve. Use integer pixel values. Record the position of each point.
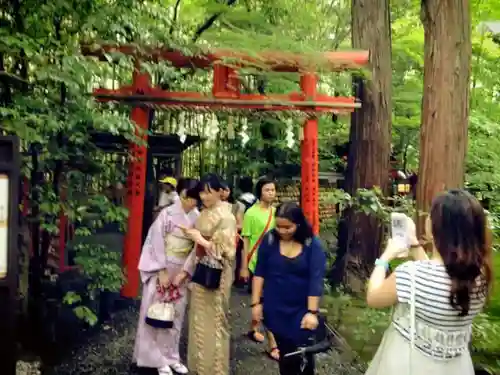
(403, 282)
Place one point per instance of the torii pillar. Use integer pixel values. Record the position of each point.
(309, 157)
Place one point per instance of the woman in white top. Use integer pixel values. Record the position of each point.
(449, 290)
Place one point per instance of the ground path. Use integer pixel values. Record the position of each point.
(109, 353)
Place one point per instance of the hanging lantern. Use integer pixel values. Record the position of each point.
(290, 141)
(182, 119)
(301, 133)
(403, 188)
(243, 133)
(181, 132)
(230, 128)
(173, 123)
(213, 127)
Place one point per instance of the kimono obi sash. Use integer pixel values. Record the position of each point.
(176, 246)
(433, 342)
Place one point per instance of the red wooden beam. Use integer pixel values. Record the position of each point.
(233, 100)
(268, 60)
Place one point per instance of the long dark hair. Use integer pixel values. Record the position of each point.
(227, 186)
(291, 211)
(231, 199)
(212, 182)
(463, 239)
(191, 186)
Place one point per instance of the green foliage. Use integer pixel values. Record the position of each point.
(86, 314)
(368, 202)
(47, 104)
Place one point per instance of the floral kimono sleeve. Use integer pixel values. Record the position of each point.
(224, 238)
(153, 258)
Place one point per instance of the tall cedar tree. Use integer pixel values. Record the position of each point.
(445, 104)
(360, 236)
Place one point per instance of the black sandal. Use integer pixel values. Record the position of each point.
(271, 352)
(251, 336)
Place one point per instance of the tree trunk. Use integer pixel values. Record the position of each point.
(360, 236)
(445, 104)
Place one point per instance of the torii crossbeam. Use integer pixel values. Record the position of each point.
(226, 96)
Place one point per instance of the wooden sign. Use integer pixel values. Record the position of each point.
(10, 161)
(4, 225)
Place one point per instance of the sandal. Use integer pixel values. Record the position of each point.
(252, 335)
(165, 370)
(273, 354)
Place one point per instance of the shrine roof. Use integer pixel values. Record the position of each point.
(160, 144)
(266, 60)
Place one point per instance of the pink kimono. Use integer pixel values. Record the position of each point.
(165, 248)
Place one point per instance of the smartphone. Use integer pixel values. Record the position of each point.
(400, 231)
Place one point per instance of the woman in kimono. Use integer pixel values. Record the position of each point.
(215, 232)
(163, 257)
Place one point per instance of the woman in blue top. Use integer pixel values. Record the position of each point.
(288, 284)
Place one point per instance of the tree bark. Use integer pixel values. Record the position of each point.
(360, 236)
(445, 104)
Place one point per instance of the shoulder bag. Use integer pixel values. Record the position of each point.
(256, 245)
(412, 314)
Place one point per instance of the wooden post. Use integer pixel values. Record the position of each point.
(178, 166)
(309, 157)
(136, 185)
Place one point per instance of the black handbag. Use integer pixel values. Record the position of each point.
(208, 270)
(208, 273)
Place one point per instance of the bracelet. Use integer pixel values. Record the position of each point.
(415, 246)
(314, 312)
(255, 304)
(382, 263)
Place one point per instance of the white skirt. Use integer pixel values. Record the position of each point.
(393, 358)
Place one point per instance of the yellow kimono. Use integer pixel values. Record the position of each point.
(209, 333)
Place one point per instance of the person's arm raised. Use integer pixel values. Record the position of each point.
(381, 289)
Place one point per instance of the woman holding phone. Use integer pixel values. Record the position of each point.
(436, 298)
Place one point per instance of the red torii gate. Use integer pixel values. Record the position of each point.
(225, 95)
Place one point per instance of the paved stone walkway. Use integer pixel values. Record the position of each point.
(109, 353)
